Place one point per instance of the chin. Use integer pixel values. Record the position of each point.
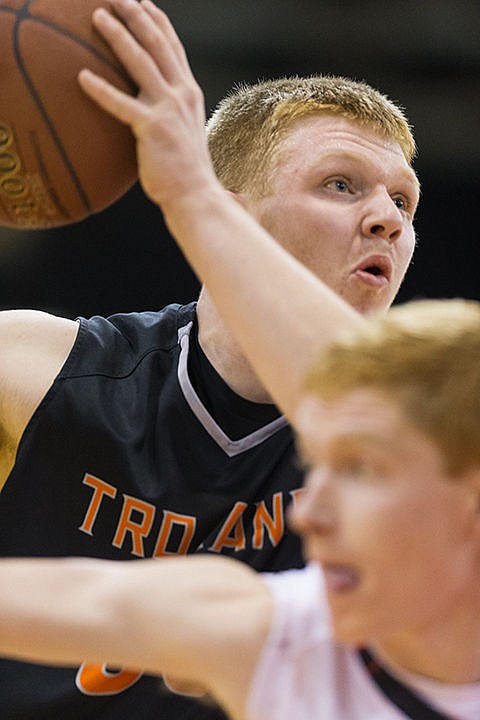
(368, 308)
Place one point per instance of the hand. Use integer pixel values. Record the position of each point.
(167, 117)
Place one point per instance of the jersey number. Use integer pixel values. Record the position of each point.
(98, 680)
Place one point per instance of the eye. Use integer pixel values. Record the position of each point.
(339, 184)
(404, 204)
(357, 467)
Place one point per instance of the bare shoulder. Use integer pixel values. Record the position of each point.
(33, 347)
(30, 325)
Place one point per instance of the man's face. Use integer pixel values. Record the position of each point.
(342, 200)
(397, 540)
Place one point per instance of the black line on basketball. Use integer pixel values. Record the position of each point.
(21, 15)
(46, 176)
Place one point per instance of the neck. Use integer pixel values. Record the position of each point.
(223, 352)
(448, 652)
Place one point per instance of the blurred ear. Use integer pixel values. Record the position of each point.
(241, 198)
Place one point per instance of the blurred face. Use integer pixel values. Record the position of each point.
(394, 536)
(342, 200)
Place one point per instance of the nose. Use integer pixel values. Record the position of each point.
(313, 511)
(382, 217)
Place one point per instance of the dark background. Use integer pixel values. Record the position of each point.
(425, 55)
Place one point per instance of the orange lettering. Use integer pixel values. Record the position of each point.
(234, 523)
(169, 520)
(97, 680)
(100, 488)
(263, 519)
(138, 530)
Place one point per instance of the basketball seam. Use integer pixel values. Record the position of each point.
(20, 15)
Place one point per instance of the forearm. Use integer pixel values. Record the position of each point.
(57, 611)
(278, 310)
(169, 616)
(67, 611)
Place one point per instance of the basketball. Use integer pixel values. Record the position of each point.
(61, 157)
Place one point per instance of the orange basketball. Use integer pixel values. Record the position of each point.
(61, 157)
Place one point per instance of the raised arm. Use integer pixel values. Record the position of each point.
(278, 310)
(33, 347)
(202, 619)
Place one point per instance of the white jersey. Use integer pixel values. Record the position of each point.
(303, 674)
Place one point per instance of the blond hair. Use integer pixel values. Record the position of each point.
(248, 125)
(424, 355)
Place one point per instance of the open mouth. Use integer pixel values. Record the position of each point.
(375, 270)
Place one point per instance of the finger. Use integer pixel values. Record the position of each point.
(138, 63)
(163, 22)
(122, 106)
(154, 33)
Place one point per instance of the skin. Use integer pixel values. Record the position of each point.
(376, 496)
(341, 196)
(331, 210)
(34, 347)
(167, 119)
(172, 616)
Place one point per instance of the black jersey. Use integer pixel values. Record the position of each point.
(123, 460)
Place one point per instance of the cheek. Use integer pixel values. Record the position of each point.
(412, 539)
(382, 528)
(295, 231)
(317, 239)
(407, 248)
(291, 217)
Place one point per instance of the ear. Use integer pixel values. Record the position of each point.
(240, 197)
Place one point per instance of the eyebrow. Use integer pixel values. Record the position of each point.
(354, 438)
(305, 451)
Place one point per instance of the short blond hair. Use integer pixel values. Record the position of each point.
(425, 355)
(249, 124)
